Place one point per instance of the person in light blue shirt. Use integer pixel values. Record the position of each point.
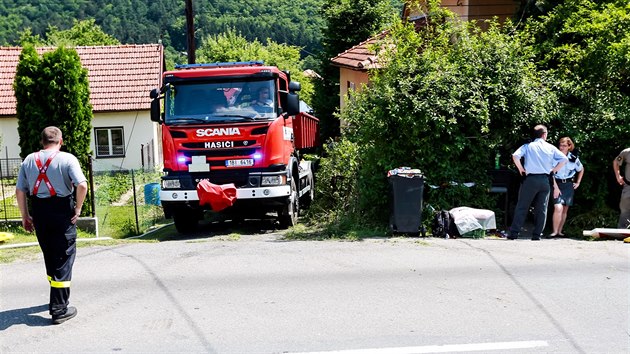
(541, 160)
(565, 182)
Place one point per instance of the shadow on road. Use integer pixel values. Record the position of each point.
(215, 228)
(24, 316)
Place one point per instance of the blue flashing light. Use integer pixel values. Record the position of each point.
(181, 159)
(257, 156)
(219, 65)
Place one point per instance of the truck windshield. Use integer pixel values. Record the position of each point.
(194, 103)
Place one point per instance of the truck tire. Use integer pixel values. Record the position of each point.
(186, 221)
(288, 215)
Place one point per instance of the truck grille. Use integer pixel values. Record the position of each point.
(239, 178)
(220, 153)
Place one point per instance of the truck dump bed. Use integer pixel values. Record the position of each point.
(306, 131)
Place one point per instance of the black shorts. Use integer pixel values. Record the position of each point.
(566, 193)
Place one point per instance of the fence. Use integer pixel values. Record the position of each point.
(126, 201)
(8, 176)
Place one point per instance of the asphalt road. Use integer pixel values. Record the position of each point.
(260, 294)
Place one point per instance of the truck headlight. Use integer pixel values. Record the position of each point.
(273, 180)
(171, 184)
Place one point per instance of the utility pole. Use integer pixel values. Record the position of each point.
(190, 32)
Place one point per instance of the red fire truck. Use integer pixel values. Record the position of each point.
(239, 125)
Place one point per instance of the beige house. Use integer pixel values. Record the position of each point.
(120, 78)
(355, 62)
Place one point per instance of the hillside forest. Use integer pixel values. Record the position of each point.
(142, 21)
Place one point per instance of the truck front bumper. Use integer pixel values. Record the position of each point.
(180, 195)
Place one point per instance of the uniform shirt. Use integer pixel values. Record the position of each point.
(624, 157)
(64, 171)
(570, 169)
(540, 156)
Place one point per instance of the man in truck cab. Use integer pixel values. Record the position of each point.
(263, 102)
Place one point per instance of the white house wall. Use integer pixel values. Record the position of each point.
(138, 130)
(9, 140)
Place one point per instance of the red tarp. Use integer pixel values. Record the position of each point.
(218, 196)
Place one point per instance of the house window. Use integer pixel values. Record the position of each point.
(350, 90)
(109, 142)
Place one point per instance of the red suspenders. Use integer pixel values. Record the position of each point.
(42, 174)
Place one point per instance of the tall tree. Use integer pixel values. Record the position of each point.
(232, 46)
(348, 22)
(53, 90)
(82, 33)
(30, 107)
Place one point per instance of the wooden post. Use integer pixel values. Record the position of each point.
(190, 32)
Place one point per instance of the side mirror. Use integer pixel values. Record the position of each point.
(155, 110)
(294, 86)
(293, 104)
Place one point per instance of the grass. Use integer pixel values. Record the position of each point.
(21, 236)
(159, 233)
(120, 221)
(340, 229)
(9, 208)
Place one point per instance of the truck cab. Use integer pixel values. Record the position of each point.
(233, 124)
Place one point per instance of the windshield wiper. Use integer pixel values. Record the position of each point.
(239, 116)
(197, 121)
(187, 120)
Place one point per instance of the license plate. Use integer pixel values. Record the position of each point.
(239, 163)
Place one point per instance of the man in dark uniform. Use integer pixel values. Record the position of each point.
(540, 159)
(49, 177)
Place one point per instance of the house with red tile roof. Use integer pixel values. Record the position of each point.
(120, 79)
(355, 63)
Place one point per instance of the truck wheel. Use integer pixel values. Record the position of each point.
(288, 216)
(186, 221)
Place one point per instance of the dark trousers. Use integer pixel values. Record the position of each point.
(624, 206)
(57, 238)
(534, 192)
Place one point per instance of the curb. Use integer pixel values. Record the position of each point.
(30, 244)
(149, 233)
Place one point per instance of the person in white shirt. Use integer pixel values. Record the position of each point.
(541, 160)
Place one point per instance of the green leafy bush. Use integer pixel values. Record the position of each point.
(581, 46)
(446, 100)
